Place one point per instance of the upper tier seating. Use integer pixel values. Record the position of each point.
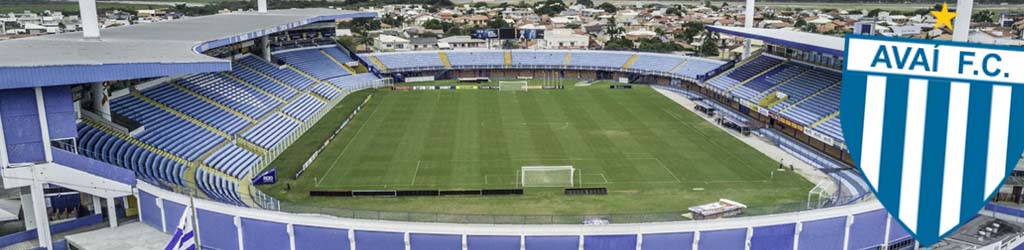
(313, 62)
(165, 130)
(232, 160)
(599, 59)
(831, 128)
(764, 82)
(805, 85)
(284, 75)
(197, 108)
(99, 145)
(476, 58)
(815, 107)
(538, 58)
(230, 93)
(270, 132)
(303, 108)
(261, 82)
(427, 59)
(743, 72)
(353, 81)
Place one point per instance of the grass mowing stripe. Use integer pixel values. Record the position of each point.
(650, 153)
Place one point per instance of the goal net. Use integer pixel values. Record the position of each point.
(512, 85)
(547, 176)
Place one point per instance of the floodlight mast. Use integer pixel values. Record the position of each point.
(90, 23)
(748, 22)
(962, 24)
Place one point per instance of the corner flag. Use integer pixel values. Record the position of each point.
(184, 236)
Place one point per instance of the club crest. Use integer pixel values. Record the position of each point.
(934, 126)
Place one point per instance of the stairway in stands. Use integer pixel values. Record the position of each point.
(379, 64)
(444, 59)
(340, 64)
(630, 62)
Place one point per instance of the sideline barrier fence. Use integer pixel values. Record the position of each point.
(266, 201)
(221, 226)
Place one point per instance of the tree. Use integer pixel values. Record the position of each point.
(588, 3)
(618, 44)
(433, 24)
(874, 12)
(656, 45)
(675, 10)
(480, 4)
(984, 16)
(710, 45)
(497, 23)
(810, 27)
(690, 30)
(608, 7)
(800, 22)
(550, 7)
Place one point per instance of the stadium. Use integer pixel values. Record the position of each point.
(456, 149)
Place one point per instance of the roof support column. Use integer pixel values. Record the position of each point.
(41, 219)
(962, 24)
(261, 5)
(266, 48)
(748, 22)
(100, 100)
(90, 23)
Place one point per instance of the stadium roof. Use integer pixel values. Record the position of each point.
(801, 40)
(144, 50)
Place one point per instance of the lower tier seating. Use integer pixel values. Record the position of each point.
(353, 82)
(97, 144)
(270, 132)
(304, 107)
(218, 188)
(325, 91)
(232, 160)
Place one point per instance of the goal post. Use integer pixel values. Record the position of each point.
(513, 85)
(547, 176)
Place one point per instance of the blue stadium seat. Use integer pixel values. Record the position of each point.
(96, 144)
(231, 93)
(303, 108)
(196, 108)
(270, 132)
(283, 75)
(313, 62)
(165, 130)
(353, 82)
(232, 160)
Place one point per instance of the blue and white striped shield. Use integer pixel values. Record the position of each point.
(929, 125)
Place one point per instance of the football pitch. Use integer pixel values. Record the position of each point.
(652, 154)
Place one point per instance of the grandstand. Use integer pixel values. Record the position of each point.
(178, 114)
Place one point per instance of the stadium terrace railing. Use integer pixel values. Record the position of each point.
(615, 218)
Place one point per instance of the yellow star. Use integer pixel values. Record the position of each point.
(944, 17)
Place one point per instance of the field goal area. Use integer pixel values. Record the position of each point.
(513, 85)
(547, 176)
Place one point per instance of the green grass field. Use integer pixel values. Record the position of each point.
(652, 154)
